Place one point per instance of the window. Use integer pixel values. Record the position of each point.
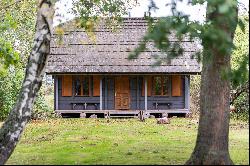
(161, 85)
(82, 86)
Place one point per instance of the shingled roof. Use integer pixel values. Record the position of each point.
(109, 53)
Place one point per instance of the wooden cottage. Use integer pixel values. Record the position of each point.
(96, 77)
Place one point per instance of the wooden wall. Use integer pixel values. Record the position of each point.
(137, 100)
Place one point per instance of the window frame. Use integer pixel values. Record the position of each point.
(162, 85)
(81, 78)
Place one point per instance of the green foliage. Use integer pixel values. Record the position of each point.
(17, 29)
(240, 74)
(7, 23)
(90, 12)
(195, 84)
(240, 68)
(242, 108)
(8, 56)
(17, 33)
(42, 108)
(160, 33)
(10, 84)
(119, 141)
(240, 56)
(214, 37)
(211, 33)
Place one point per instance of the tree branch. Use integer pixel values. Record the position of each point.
(239, 90)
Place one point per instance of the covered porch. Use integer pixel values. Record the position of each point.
(119, 113)
(122, 95)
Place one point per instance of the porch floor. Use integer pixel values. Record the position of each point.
(122, 113)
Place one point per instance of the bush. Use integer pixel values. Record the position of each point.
(43, 107)
(195, 83)
(10, 84)
(242, 108)
(241, 103)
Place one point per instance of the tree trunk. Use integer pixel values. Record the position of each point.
(212, 139)
(13, 127)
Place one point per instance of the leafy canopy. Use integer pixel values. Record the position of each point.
(208, 33)
(16, 31)
(8, 55)
(240, 55)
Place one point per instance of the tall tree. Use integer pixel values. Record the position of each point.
(212, 140)
(216, 36)
(13, 127)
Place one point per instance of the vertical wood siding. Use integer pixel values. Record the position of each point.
(178, 102)
(110, 93)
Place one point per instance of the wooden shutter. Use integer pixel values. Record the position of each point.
(149, 85)
(67, 85)
(176, 85)
(96, 85)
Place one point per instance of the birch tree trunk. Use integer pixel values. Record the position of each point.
(213, 132)
(13, 127)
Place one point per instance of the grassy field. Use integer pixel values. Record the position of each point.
(119, 141)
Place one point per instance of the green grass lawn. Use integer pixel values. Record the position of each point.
(120, 141)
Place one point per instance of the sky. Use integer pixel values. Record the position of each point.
(196, 12)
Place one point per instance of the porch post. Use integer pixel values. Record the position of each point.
(56, 90)
(187, 93)
(137, 93)
(101, 93)
(146, 92)
(105, 93)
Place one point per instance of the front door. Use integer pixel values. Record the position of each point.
(122, 96)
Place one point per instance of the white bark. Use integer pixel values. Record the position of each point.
(13, 127)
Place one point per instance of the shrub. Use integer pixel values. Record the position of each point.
(195, 82)
(242, 108)
(10, 84)
(43, 107)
